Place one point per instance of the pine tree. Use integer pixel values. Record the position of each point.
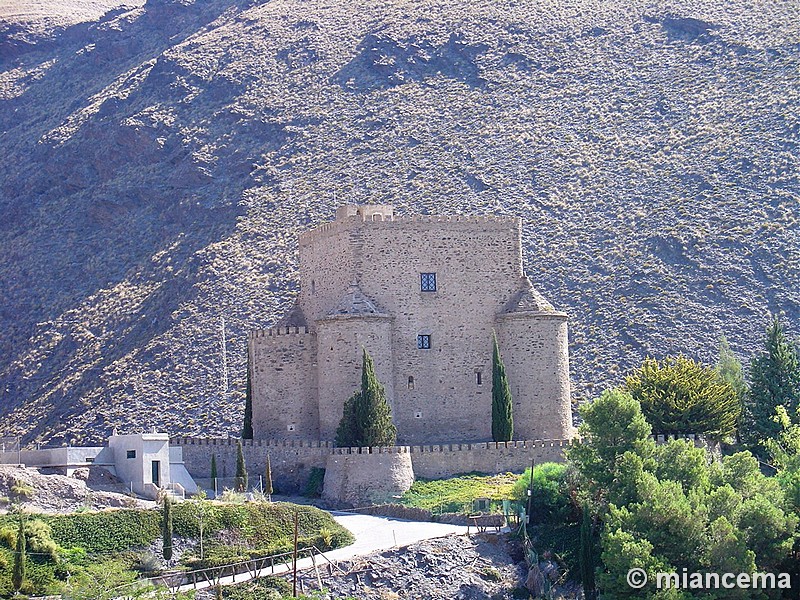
(241, 469)
(679, 395)
(268, 480)
(247, 427)
(367, 418)
(18, 574)
(774, 381)
(166, 527)
(587, 555)
(502, 417)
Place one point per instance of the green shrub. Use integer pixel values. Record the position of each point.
(109, 531)
(316, 479)
(550, 501)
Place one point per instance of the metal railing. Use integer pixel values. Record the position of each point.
(248, 569)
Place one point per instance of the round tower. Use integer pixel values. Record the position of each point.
(355, 324)
(533, 341)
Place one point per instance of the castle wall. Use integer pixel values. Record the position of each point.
(440, 461)
(326, 268)
(284, 384)
(438, 395)
(368, 478)
(292, 461)
(534, 350)
(340, 341)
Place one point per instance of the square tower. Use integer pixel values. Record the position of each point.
(424, 295)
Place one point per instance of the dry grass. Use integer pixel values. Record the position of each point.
(157, 169)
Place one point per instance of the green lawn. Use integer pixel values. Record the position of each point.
(457, 493)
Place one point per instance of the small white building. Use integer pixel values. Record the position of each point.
(145, 462)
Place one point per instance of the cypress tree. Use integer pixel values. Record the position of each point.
(241, 469)
(268, 479)
(502, 417)
(247, 427)
(18, 574)
(347, 432)
(774, 381)
(587, 555)
(367, 418)
(730, 369)
(166, 527)
(213, 467)
(375, 416)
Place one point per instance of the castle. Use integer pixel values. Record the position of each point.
(423, 295)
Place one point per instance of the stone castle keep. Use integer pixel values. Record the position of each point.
(423, 295)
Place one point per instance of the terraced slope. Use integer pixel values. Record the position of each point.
(156, 166)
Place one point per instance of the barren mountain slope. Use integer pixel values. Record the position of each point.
(157, 165)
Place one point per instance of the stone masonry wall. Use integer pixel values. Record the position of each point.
(284, 384)
(341, 340)
(534, 351)
(292, 460)
(439, 394)
(478, 267)
(368, 478)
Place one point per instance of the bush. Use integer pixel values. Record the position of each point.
(110, 531)
(316, 479)
(551, 501)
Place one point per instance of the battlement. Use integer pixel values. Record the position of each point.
(435, 448)
(383, 216)
(504, 220)
(279, 331)
(231, 441)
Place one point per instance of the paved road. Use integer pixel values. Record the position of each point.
(371, 533)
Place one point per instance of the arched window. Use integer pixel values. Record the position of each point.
(410, 382)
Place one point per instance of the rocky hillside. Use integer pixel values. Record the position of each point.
(158, 162)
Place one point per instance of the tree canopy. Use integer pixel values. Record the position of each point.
(669, 507)
(774, 381)
(679, 395)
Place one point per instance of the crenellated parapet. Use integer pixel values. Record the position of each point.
(231, 441)
(278, 331)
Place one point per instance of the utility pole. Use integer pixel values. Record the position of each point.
(294, 555)
(224, 360)
(530, 496)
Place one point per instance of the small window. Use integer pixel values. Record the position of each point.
(478, 378)
(418, 415)
(313, 287)
(131, 453)
(290, 427)
(427, 282)
(424, 341)
(410, 382)
(90, 459)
